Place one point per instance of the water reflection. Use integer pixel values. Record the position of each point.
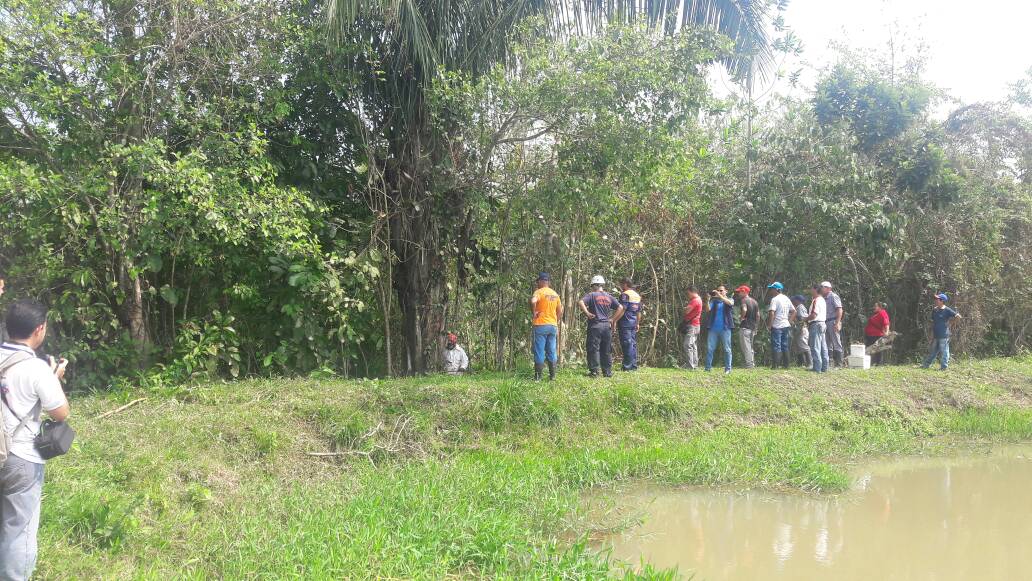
(931, 519)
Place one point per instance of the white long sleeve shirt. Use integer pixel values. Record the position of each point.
(454, 360)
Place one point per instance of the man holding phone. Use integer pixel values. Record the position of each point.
(29, 387)
(720, 322)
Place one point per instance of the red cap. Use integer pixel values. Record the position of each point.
(453, 338)
(743, 289)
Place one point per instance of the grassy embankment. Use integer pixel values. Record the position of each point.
(466, 477)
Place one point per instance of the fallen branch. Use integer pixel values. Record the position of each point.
(123, 408)
(344, 453)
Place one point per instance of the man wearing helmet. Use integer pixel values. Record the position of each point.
(603, 310)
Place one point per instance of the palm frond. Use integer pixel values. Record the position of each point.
(473, 34)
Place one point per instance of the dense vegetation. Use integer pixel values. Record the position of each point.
(468, 477)
(276, 187)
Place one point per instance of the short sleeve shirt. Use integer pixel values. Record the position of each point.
(750, 313)
(28, 383)
(819, 310)
(546, 307)
(801, 313)
(940, 320)
(876, 324)
(694, 315)
(602, 305)
(781, 306)
(833, 304)
(631, 302)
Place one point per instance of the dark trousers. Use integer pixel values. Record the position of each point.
(629, 346)
(600, 348)
(871, 340)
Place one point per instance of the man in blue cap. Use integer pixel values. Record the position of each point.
(547, 309)
(779, 325)
(943, 318)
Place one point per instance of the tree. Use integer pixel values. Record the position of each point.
(414, 43)
(137, 197)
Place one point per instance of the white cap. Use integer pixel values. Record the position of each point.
(826, 284)
(597, 279)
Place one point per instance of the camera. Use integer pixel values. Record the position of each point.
(713, 293)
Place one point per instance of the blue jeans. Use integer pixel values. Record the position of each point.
(629, 346)
(21, 487)
(819, 346)
(779, 339)
(599, 348)
(711, 345)
(544, 343)
(940, 346)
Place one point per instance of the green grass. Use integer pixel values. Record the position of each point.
(479, 477)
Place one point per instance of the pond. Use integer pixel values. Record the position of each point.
(939, 519)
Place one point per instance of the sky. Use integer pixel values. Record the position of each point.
(973, 49)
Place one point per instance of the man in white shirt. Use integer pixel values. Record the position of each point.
(818, 340)
(780, 327)
(30, 385)
(454, 359)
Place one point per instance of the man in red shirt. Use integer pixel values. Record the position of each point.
(691, 324)
(877, 327)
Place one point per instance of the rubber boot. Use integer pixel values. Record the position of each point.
(786, 359)
(807, 360)
(551, 371)
(838, 359)
(537, 371)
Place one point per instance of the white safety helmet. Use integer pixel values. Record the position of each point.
(597, 279)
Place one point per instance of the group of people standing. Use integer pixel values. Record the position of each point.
(605, 315)
(806, 327)
(818, 323)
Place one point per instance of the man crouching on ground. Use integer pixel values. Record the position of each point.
(29, 386)
(454, 359)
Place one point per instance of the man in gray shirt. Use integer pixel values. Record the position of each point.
(836, 315)
(750, 313)
(32, 386)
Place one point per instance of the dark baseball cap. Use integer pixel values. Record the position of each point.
(544, 276)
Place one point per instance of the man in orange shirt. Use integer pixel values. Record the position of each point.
(548, 311)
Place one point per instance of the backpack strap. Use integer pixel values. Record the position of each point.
(5, 366)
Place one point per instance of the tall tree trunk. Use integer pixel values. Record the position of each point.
(415, 246)
(409, 284)
(134, 312)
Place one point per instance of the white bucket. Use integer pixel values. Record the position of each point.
(859, 362)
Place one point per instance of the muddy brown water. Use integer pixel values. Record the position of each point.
(934, 519)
